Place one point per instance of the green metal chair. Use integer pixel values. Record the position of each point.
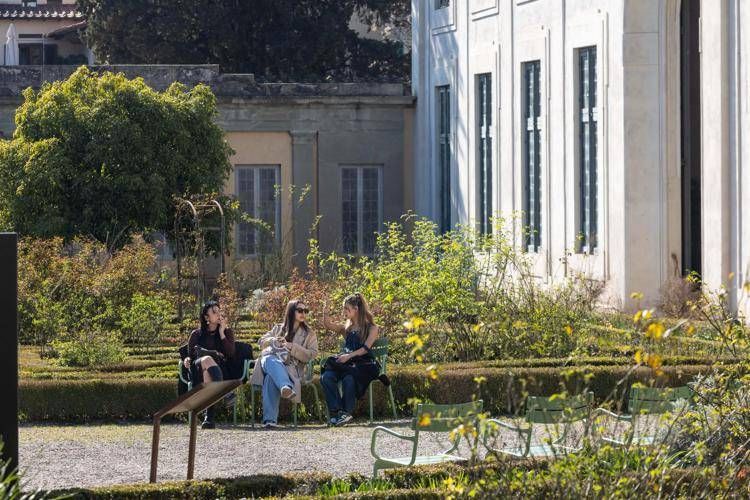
(247, 366)
(379, 352)
(644, 401)
(560, 412)
(307, 380)
(427, 418)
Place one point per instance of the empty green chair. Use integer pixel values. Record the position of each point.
(641, 402)
(542, 411)
(428, 418)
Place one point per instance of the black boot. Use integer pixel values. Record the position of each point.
(208, 421)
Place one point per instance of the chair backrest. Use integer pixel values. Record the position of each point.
(444, 418)
(646, 400)
(558, 409)
(380, 352)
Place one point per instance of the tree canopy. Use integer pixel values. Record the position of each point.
(277, 40)
(104, 156)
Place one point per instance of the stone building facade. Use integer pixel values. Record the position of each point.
(330, 161)
(618, 129)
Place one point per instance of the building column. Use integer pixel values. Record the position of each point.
(304, 198)
(715, 158)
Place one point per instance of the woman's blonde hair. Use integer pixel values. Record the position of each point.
(364, 316)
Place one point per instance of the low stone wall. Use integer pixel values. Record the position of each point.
(14, 79)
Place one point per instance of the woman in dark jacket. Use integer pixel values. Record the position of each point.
(208, 348)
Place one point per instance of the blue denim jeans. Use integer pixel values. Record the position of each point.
(275, 378)
(330, 382)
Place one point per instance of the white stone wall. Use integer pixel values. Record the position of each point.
(639, 158)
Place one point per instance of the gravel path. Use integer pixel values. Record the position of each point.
(55, 456)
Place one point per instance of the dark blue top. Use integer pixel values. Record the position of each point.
(352, 343)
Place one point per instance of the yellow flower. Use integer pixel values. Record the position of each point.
(655, 330)
(654, 361)
(637, 316)
(432, 372)
(569, 330)
(636, 296)
(425, 420)
(638, 357)
(416, 340)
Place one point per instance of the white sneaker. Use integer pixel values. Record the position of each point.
(344, 419)
(287, 392)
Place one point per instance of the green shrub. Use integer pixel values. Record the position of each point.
(146, 318)
(66, 288)
(193, 490)
(90, 348)
(502, 391)
(478, 294)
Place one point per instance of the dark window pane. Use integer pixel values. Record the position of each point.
(246, 195)
(588, 212)
(349, 210)
(532, 156)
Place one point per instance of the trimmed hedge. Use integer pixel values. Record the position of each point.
(408, 484)
(260, 485)
(502, 390)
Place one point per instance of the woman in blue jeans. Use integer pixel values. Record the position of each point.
(285, 351)
(355, 368)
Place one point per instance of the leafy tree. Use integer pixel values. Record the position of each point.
(301, 40)
(104, 156)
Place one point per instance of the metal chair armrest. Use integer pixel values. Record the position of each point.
(412, 439)
(180, 366)
(505, 425)
(247, 370)
(607, 413)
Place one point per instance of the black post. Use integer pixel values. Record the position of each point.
(9, 345)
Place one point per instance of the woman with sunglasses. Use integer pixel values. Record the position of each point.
(285, 351)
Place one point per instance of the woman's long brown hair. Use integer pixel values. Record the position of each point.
(288, 328)
(364, 316)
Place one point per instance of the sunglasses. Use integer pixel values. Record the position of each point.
(303, 311)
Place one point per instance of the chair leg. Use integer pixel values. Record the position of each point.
(393, 402)
(317, 404)
(294, 414)
(370, 390)
(252, 406)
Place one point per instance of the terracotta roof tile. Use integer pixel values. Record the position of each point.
(40, 12)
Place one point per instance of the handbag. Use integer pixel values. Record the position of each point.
(274, 349)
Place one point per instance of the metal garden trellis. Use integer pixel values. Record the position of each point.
(196, 212)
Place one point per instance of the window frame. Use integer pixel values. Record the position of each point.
(587, 164)
(444, 151)
(360, 233)
(531, 127)
(256, 172)
(485, 145)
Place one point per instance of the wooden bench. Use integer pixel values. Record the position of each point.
(428, 418)
(643, 401)
(560, 412)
